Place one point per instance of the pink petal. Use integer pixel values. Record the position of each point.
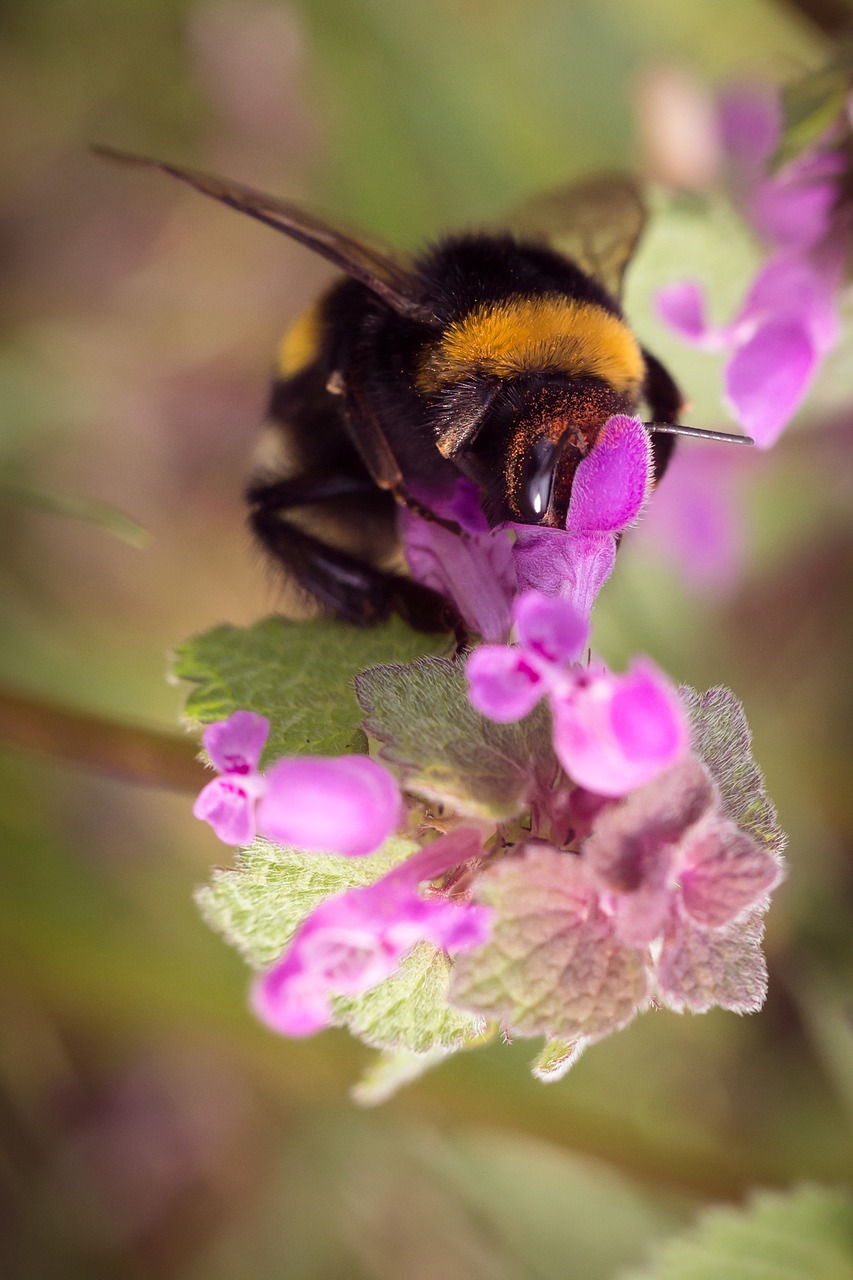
(611, 483)
(503, 683)
(291, 1002)
(614, 733)
(553, 629)
(792, 287)
(228, 803)
(682, 307)
(571, 566)
(767, 379)
(475, 571)
(750, 124)
(235, 745)
(794, 213)
(348, 805)
(725, 872)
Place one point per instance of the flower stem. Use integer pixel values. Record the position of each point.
(101, 745)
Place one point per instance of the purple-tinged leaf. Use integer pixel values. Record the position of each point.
(699, 968)
(722, 739)
(725, 872)
(553, 965)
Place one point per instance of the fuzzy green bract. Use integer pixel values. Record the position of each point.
(444, 750)
(802, 1235)
(297, 674)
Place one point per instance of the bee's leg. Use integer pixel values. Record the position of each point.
(347, 586)
(377, 454)
(666, 403)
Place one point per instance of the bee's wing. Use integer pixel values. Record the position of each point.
(597, 222)
(379, 268)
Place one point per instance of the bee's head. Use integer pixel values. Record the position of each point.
(526, 456)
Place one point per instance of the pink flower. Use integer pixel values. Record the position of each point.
(611, 733)
(788, 320)
(228, 802)
(609, 490)
(786, 325)
(483, 570)
(474, 571)
(348, 805)
(356, 940)
(791, 208)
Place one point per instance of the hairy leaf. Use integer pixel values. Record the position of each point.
(806, 1234)
(552, 966)
(555, 1058)
(298, 674)
(259, 904)
(722, 738)
(699, 968)
(446, 751)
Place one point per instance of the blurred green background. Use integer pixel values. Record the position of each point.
(149, 1127)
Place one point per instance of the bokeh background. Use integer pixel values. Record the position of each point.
(149, 1127)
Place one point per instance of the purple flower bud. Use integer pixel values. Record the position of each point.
(348, 805)
(356, 940)
(613, 733)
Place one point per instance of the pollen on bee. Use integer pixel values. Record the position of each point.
(550, 334)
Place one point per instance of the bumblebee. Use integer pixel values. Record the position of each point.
(496, 356)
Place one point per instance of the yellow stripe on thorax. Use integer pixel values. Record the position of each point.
(301, 343)
(549, 334)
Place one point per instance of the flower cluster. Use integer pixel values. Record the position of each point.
(788, 320)
(623, 876)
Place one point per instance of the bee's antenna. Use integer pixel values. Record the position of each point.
(676, 429)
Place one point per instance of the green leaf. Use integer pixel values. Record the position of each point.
(809, 107)
(806, 1234)
(411, 1010)
(723, 740)
(552, 965)
(390, 1070)
(259, 905)
(107, 517)
(298, 674)
(446, 751)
